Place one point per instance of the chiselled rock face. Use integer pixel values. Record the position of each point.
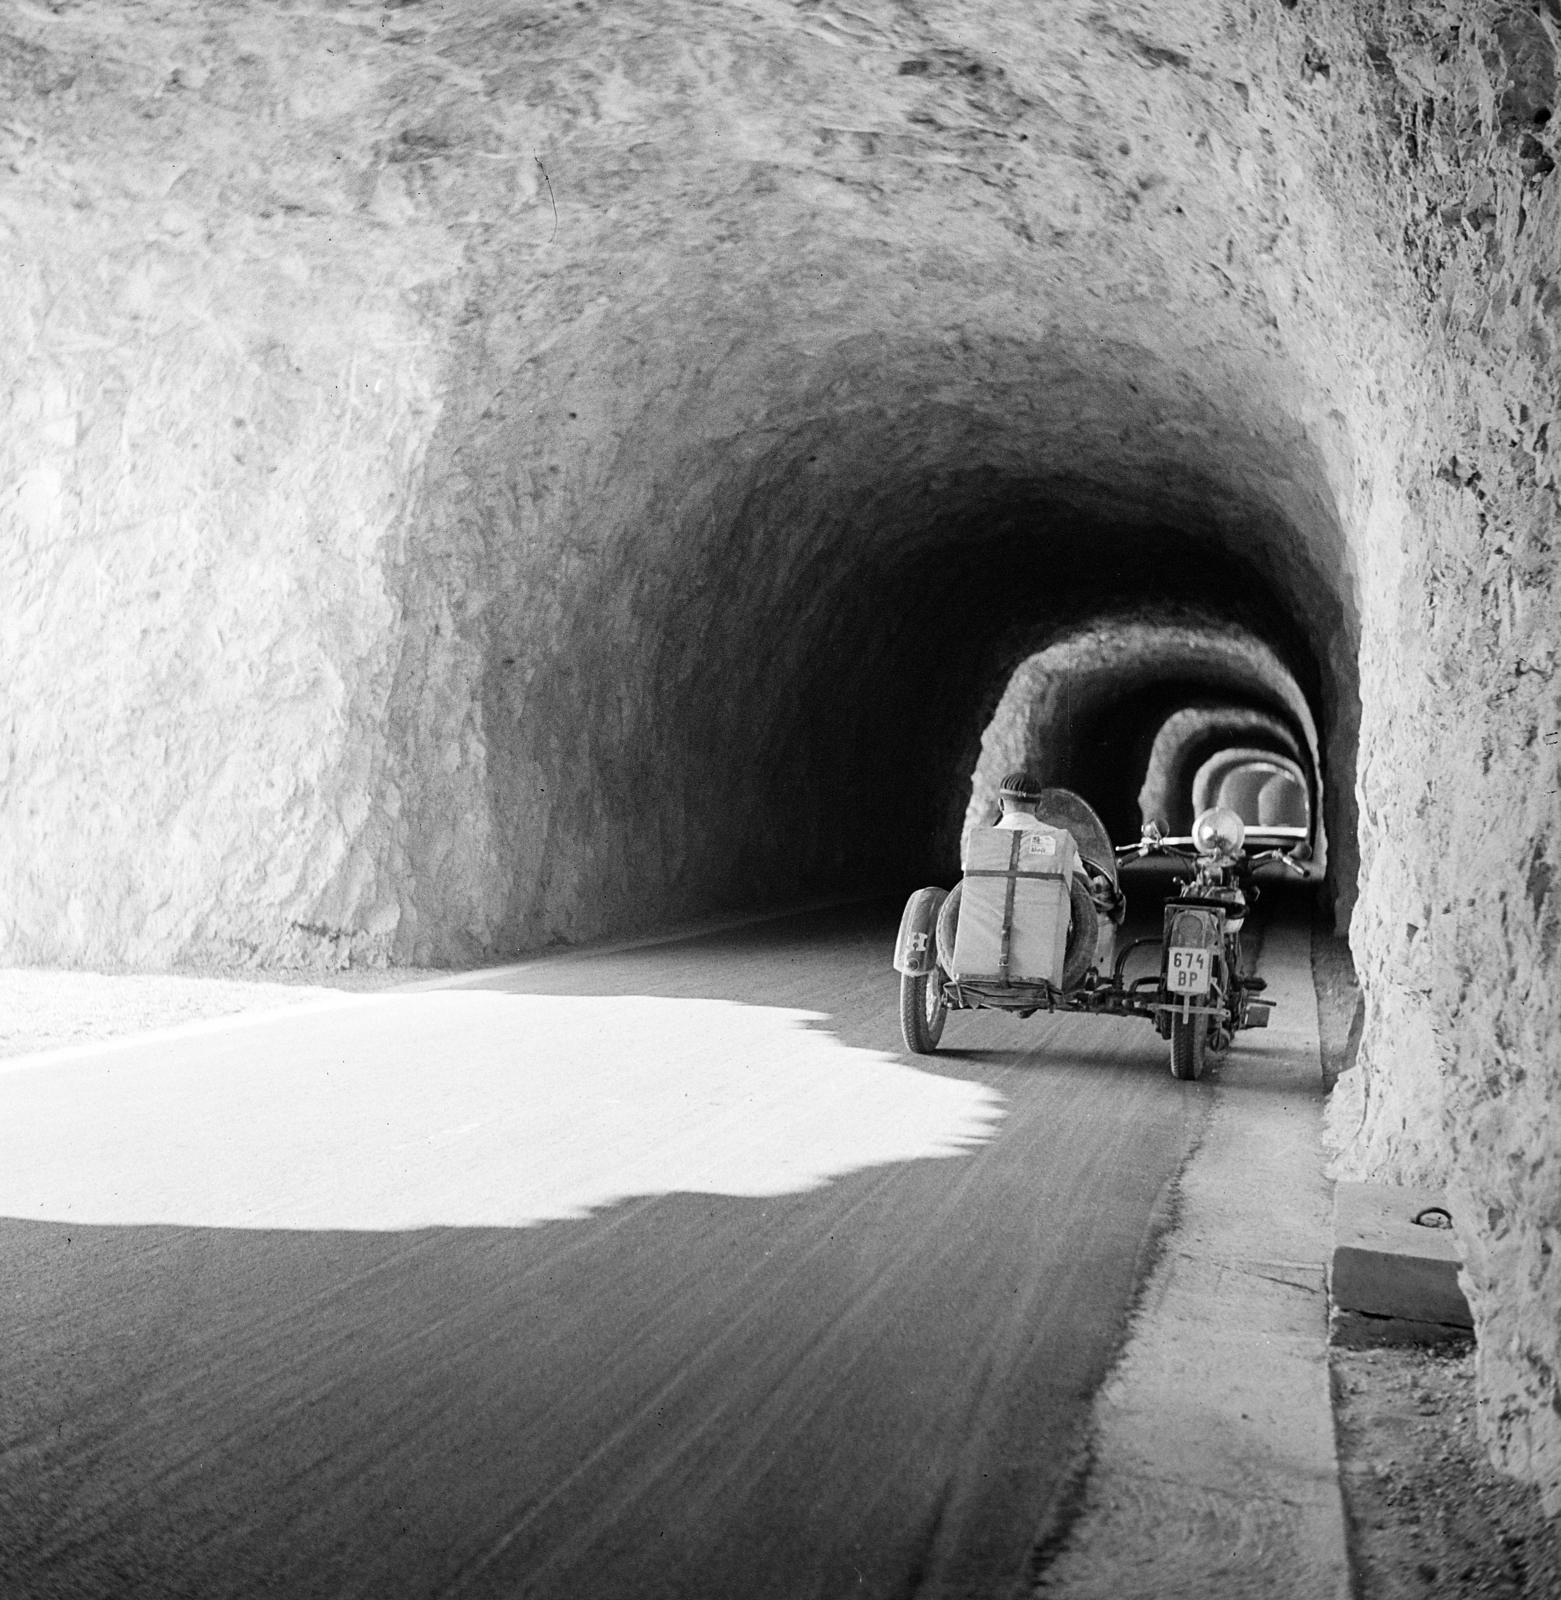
(477, 476)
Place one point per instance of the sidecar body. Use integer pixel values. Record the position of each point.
(1030, 926)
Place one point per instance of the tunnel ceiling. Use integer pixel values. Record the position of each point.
(944, 270)
(907, 356)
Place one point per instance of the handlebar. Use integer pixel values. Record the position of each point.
(1265, 857)
(1163, 847)
(1153, 847)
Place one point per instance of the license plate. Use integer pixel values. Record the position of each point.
(1188, 970)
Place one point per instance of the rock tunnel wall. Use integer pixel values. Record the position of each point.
(474, 477)
(1457, 931)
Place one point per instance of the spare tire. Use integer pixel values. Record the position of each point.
(948, 923)
(1083, 930)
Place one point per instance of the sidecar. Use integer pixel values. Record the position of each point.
(1030, 926)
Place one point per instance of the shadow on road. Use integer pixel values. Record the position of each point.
(845, 1376)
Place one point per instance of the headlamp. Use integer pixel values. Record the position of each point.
(1219, 832)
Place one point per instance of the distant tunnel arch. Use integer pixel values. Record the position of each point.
(1239, 778)
(1121, 710)
(1191, 735)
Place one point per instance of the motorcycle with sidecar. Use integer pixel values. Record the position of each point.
(1033, 926)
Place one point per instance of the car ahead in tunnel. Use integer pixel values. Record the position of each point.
(1031, 926)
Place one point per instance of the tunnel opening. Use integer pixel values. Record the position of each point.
(1118, 710)
(819, 618)
(1114, 753)
(868, 766)
(1268, 791)
(1191, 736)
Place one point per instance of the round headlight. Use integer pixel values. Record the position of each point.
(1219, 832)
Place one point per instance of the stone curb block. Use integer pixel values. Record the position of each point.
(1393, 1280)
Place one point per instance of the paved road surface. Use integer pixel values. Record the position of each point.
(662, 1273)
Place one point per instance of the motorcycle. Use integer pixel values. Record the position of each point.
(1204, 996)
(1198, 997)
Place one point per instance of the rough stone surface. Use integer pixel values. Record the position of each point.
(1457, 931)
(479, 476)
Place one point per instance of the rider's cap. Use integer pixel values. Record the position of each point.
(1019, 786)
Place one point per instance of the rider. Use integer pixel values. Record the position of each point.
(1018, 795)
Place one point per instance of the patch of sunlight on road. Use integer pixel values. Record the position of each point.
(464, 1109)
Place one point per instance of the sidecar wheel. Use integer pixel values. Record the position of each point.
(1189, 1045)
(922, 1012)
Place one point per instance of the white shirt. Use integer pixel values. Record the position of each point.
(1018, 821)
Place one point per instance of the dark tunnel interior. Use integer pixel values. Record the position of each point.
(820, 634)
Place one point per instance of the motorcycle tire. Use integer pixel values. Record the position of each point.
(1189, 1045)
(922, 1012)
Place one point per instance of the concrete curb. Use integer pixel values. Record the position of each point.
(1392, 1280)
(1214, 1472)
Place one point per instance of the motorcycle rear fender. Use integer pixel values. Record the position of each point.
(916, 944)
(1194, 927)
(1186, 928)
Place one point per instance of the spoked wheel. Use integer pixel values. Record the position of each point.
(1189, 1045)
(922, 1011)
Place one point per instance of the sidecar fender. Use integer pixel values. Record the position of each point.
(916, 944)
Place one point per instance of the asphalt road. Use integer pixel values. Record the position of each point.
(662, 1273)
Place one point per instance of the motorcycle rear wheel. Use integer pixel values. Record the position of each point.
(922, 1012)
(1189, 1045)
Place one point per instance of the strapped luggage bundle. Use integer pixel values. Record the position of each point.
(1014, 906)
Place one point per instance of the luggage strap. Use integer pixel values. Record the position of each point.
(1008, 906)
(1007, 872)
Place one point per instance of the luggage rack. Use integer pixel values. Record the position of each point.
(1102, 996)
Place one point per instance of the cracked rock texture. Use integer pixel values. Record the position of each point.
(483, 475)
